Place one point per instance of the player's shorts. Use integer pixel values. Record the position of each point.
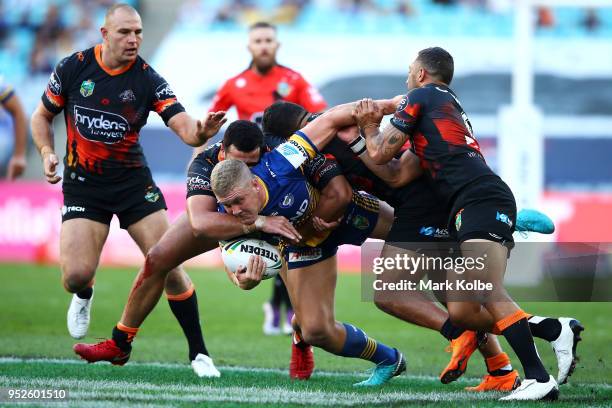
(356, 226)
(130, 200)
(483, 209)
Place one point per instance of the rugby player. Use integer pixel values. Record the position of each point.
(200, 229)
(419, 218)
(482, 215)
(311, 272)
(106, 93)
(11, 103)
(250, 92)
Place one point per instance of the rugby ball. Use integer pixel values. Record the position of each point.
(236, 253)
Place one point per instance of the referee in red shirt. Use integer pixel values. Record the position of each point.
(251, 92)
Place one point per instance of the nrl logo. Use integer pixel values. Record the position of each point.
(87, 88)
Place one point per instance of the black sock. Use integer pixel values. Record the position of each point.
(122, 339)
(544, 327)
(188, 316)
(450, 331)
(86, 293)
(520, 339)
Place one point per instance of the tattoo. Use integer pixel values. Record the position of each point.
(393, 139)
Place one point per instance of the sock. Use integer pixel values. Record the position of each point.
(498, 365)
(519, 337)
(275, 316)
(544, 327)
(86, 293)
(289, 316)
(358, 344)
(124, 336)
(185, 309)
(299, 341)
(450, 331)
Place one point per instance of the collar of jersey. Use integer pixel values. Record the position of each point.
(263, 185)
(109, 71)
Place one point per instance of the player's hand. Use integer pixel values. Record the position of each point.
(248, 277)
(50, 163)
(348, 134)
(278, 225)
(211, 124)
(16, 167)
(367, 113)
(321, 225)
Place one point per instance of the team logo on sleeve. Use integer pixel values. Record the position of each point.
(55, 86)
(87, 88)
(164, 92)
(402, 105)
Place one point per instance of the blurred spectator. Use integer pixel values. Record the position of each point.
(591, 20)
(546, 18)
(288, 11)
(12, 105)
(357, 6)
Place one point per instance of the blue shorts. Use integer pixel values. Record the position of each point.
(357, 225)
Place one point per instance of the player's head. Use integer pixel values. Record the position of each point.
(122, 33)
(263, 45)
(236, 189)
(243, 141)
(433, 64)
(282, 119)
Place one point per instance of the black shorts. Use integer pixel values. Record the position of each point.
(419, 224)
(131, 200)
(483, 209)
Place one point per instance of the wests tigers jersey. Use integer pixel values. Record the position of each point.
(104, 111)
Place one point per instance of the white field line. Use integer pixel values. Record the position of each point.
(147, 392)
(239, 369)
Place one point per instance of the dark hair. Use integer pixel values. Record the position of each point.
(243, 134)
(438, 63)
(283, 118)
(261, 24)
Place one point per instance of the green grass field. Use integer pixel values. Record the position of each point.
(35, 350)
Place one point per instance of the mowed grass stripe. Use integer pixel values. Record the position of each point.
(147, 392)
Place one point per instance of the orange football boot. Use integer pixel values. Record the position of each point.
(506, 382)
(462, 348)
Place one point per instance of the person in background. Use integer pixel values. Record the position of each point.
(12, 104)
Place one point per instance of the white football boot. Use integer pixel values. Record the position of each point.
(565, 347)
(78, 316)
(531, 390)
(203, 366)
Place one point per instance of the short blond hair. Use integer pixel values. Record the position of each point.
(229, 174)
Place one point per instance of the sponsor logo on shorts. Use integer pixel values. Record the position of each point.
(164, 92)
(287, 201)
(495, 235)
(434, 232)
(198, 182)
(458, 220)
(72, 208)
(152, 196)
(127, 96)
(55, 85)
(503, 218)
(87, 88)
(306, 254)
(100, 126)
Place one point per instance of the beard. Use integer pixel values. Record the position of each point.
(264, 65)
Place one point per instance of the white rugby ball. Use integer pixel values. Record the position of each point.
(237, 252)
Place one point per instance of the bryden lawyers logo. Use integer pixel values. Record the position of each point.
(164, 92)
(100, 126)
(197, 181)
(87, 88)
(55, 85)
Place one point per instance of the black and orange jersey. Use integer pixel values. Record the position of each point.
(318, 171)
(441, 137)
(104, 111)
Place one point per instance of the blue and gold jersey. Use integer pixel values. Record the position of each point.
(280, 173)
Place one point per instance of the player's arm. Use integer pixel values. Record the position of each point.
(395, 173)
(383, 146)
(17, 163)
(321, 130)
(196, 132)
(41, 125)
